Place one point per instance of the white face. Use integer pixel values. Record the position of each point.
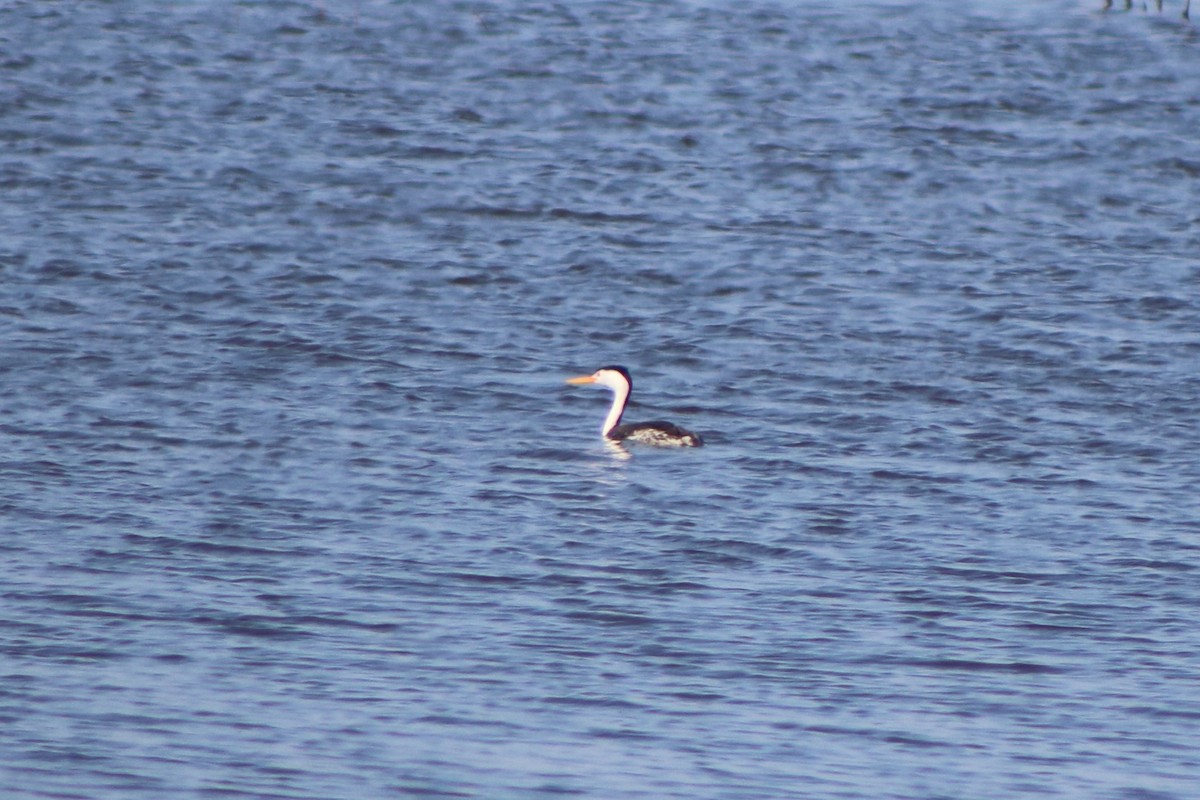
(610, 378)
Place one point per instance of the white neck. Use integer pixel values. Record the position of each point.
(620, 397)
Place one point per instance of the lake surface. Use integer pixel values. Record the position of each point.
(295, 503)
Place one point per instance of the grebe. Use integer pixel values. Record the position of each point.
(662, 434)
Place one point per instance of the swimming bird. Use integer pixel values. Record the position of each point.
(658, 433)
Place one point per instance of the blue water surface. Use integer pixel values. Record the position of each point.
(296, 504)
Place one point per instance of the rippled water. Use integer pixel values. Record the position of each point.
(296, 504)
